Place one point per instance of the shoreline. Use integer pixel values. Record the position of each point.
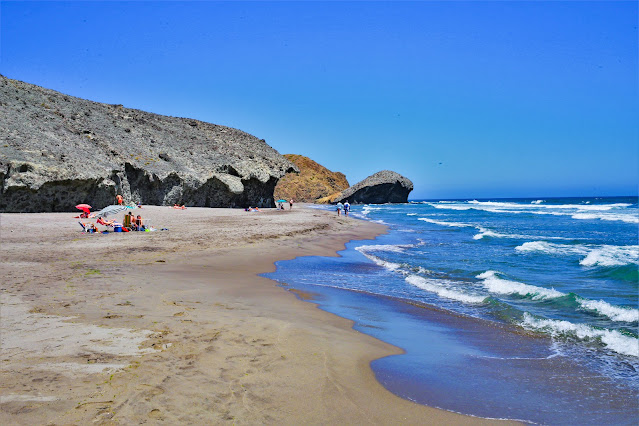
(222, 344)
(457, 348)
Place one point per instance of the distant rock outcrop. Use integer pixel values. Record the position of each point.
(313, 181)
(58, 151)
(382, 187)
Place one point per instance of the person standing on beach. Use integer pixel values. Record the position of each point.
(120, 199)
(347, 208)
(340, 206)
(290, 204)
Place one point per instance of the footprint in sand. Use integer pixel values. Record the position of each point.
(156, 414)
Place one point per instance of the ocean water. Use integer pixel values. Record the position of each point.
(510, 308)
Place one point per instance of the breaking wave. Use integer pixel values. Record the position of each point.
(391, 266)
(608, 212)
(615, 313)
(483, 232)
(497, 285)
(439, 287)
(594, 255)
(628, 218)
(589, 207)
(451, 224)
(612, 339)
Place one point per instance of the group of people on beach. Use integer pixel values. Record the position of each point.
(346, 207)
(280, 204)
(120, 200)
(134, 223)
(130, 223)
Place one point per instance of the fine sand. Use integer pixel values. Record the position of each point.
(175, 326)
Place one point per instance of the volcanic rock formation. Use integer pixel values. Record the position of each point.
(382, 187)
(57, 151)
(313, 181)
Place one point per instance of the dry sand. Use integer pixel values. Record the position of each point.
(174, 326)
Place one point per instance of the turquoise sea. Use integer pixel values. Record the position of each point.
(507, 308)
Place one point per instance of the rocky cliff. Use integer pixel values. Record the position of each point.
(312, 182)
(57, 151)
(382, 187)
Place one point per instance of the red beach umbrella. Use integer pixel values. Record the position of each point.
(84, 207)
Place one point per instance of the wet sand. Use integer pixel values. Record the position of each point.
(175, 326)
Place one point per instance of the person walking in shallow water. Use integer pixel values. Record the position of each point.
(347, 208)
(340, 206)
(290, 204)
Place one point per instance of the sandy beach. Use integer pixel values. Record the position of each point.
(175, 326)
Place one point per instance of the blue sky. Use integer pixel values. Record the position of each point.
(467, 99)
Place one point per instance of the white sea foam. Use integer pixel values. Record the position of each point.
(411, 214)
(397, 248)
(552, 248)
(381, 262)
(494, 284)
(589, 207)
(613, 217)
(368, 208)
(613, 339)
(438, 287)
(615, 313)
(391, 266)
(483, 232)
(595, 255)
(609, 212)
(451, 207)
(359, 216)
(612, 256)
(451, 224)
(628, 218)
(422, 271)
